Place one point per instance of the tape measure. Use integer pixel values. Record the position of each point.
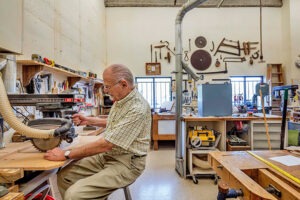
(276, 168)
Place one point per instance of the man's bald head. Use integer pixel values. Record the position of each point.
(119, 72)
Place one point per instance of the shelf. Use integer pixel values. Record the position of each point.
(31, 67)
(193, 168)
(238, 148)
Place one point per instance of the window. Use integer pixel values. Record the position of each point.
(156, 90)
(243, 89)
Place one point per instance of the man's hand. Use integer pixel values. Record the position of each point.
(79, 119)
(55, 154)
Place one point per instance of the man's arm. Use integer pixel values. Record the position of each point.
(99, 146)
(79, 119)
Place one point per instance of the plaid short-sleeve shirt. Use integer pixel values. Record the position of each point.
(129, 125)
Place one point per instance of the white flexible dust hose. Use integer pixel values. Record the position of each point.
(12, 120)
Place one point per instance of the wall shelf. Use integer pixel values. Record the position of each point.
(31, 67)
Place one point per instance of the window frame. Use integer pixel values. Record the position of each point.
(154, 88)
(245, 86)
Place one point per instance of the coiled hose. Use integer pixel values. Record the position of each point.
(12, 120)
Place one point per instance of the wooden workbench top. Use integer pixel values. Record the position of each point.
(24, 156)
(242, 170)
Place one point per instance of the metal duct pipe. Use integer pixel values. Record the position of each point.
(178, 61)
(189, 71)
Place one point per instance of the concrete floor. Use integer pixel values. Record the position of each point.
(160, 181)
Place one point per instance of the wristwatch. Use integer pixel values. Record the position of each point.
(67, 153)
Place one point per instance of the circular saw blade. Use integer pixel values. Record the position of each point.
(42, 144)
(45, 144)
(201, 60)
(200, 42)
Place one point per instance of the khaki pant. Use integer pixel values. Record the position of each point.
(98, 176)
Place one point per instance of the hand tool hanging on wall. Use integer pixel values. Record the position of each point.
(251, 61)
(159, 47)
(201, 60)
(186, 56)
(255, 55)
(217, 63)
(167, 46)
(235, 46)
(200, 42)
(247, 47)
(213, 46)
(261, 57)
(156, 56)
(151, 49)
(234, 59)
(168, 57)
(217, 72)
(190, 48)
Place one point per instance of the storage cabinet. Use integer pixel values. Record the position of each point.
(198, 164)
(255, 135)
(242, 129)
(210, 123)
(259, 138)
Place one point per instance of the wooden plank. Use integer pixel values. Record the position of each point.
(29, 161)
(14, 188)
(10, 175)
(49, 67)
(13, 196)
(228, 166)
(26, 157)
(242, 170)
(292, 170)
(265, 178)
(13, 148)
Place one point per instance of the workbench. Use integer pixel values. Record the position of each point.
(163, 128)
(243, 171)
(20, 157)
(255, 134)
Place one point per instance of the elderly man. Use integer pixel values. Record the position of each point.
(116, 159)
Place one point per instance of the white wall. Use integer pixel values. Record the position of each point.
(75, 32)
(130, 31)
(72, 32)
(11, 12)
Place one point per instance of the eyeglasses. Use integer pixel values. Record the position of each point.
(108, 87)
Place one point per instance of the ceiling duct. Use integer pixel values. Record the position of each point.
(179, 3)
